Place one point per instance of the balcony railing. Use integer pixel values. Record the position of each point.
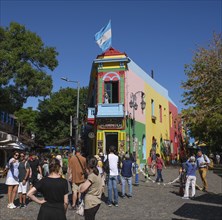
(91, 113)
(114, 110)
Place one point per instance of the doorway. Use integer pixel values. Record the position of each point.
(111, 139)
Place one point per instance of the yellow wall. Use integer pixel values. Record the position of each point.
(158, 128)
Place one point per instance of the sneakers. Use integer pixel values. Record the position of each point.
(116, 205)
(22, 206)
(11, 206)
(185, 197)
(204, 190)
(110, 205)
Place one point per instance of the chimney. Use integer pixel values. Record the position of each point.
(152, 76)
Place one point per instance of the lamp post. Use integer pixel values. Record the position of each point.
(77, 114)
(133, 104)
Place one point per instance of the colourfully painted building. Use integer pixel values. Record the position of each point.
(127, 108)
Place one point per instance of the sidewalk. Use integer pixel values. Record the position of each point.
(150, 201)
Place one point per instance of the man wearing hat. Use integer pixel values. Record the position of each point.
(127, 175)
(202, 162)
(191, 177)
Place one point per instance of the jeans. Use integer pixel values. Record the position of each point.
(129, 182)
(192, 180)
(112, 186)
(159, 175)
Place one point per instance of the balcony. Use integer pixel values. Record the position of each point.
(111, 110)
(91, 115)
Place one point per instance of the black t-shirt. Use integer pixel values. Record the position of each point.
(34, 166)
(53, 189)
(22, 170)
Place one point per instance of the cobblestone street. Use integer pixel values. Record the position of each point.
(149, 201)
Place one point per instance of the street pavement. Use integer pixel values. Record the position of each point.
(150, 201)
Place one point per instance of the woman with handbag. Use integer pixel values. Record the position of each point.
(55, 193)
(93, 189)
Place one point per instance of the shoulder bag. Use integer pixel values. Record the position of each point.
(106, 165)
(84, 173)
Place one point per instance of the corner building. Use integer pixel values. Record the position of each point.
(114, 78)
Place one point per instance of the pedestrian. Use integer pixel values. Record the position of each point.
(217, 158)
(92, 188)
(159, 167)
(191, 168)
(112, 176)
(12, 179)
(101, 171)
(36, 170)
(127, 175)
(202, 162)
(77, 165)
(55, 192)
(24, 171)
(45, 167)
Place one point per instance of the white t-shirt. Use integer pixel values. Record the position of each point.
(113, 164)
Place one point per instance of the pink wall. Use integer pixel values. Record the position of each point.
(133, 84)
(173, 129)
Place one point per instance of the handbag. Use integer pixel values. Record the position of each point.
(106, 165)
(80, 209)
(84, 173)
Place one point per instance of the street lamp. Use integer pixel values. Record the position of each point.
(133, 104)
(77, 114)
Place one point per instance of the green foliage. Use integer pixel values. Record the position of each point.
(27, 119)
(24, 60)
(203, 93)
(53, 120)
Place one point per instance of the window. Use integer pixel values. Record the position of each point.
(160, 113)
(112, 89)
(152, 107)
(171, 119)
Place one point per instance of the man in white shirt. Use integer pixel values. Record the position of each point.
(112, 176)
(202, 162)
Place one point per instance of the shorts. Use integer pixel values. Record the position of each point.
(76, 187)
(22, 188)
(33, 181)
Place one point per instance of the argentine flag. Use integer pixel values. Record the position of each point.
(103, 37)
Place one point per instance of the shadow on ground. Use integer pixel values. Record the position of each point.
(199, 212)
(210, 198)
(3, 188)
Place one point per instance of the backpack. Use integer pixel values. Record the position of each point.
(106, 165)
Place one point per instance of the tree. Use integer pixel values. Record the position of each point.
(26, 121)
(203, 93)
(53, 119)
(24, 60)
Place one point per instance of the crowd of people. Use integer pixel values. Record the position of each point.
(30, 175)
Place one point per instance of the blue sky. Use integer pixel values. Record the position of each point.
(158, 35)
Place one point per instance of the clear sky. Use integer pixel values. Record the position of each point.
(158, 35)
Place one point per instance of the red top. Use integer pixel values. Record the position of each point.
(159, 163)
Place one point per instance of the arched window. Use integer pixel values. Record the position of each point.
(111, 86)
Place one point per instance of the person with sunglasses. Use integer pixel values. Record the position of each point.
(24, 170)
(12, 179)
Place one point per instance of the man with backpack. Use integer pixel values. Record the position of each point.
(202, 162)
